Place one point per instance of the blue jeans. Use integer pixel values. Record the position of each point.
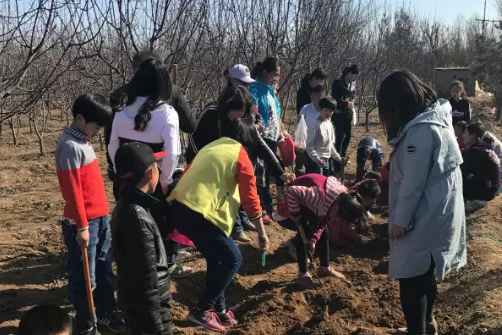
(100, 263)
(222, 255)
(264, 176)
(239, 221)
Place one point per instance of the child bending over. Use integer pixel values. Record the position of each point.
(311, 203)
(368, 149)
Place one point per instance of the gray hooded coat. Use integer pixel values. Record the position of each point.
(426, 196)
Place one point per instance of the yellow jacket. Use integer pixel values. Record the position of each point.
(220, 176)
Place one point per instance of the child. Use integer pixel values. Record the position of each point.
(204, 206)
(310, 113)
(480, 169)
(311, 110)
(461, 109)
(496, 145)
(368, 149)
(321, 139)
(142, 264)
(313, 201)
(374, 175)
(85, 223)
(460, 127)
(45, 320)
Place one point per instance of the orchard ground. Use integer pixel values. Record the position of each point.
(33, 270)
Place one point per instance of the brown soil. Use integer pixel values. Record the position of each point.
(33, 271)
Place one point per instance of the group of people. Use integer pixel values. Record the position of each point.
(224, 188)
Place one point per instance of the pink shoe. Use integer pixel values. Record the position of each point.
(227, 318)
(206, 319)
(267, 219)
(305, 281)
(329, 272)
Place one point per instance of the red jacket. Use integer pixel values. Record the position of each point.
(383, 198)
(312, 194)
(342, 233)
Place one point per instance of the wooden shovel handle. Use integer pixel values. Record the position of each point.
(87, 274)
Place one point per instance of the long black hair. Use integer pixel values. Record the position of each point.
(152, 82)
(351, 210)
(242, 130)
(401, 97)
(234, 98)
(317, 73)
(269, 65)
(350, 69)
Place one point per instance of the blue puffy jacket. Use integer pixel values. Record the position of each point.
(259, 92)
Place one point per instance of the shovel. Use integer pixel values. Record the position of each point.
(88, 286)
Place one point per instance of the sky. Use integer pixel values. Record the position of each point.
(447, 9)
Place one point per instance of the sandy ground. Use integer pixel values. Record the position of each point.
(33, 270)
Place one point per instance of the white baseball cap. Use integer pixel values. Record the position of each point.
(241, 72)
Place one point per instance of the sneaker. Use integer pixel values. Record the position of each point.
(113, 322)
(241, 237)
(206, 319)
(227, 318)
(305, 281)
(184, 255)
(90, 331)
(431, 329)
(329, 272)
(248, 225)
(473, 205)
(267, 219)
(179, 271)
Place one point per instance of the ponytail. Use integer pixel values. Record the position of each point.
(269, 65)
(144, 116)
(351, 210)
(257, 70)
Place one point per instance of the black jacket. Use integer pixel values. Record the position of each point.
(142, 270)
(208, 129)
(480, 172)
(342, 92)
(178, 101)
(303, 95)
(460, 111)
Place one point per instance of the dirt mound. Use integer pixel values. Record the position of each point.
(33, 271)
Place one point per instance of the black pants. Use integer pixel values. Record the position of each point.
(343, 131)
(418, 295)
(132, 319)
(322, 246)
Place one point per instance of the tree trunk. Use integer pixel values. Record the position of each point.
(31, 129)
(14, 136)
(40, 137)
(1, 128)
(367, 122)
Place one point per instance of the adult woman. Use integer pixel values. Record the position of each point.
(118, 99)
(147, 118)
(344, 92)
(309, 81)
(208, 129)
(426, 207)
(204, 209)
(262, 91)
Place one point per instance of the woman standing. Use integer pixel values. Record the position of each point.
(426, 207)
(344, 92)
(146, 117)
(262, 91)
(204, 209)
